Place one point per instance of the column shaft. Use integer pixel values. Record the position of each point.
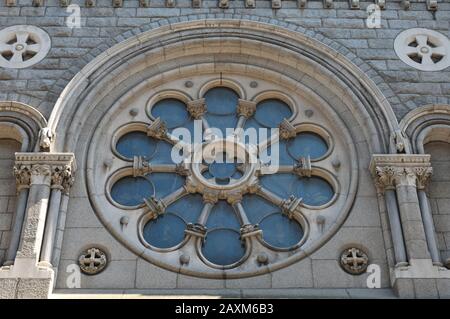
(428, 224)
(396, 228)
(16, 230)
(50, 226)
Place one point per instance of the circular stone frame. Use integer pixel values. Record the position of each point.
(421, 49)
(21, 34)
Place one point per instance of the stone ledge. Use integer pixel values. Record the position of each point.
(221, 293)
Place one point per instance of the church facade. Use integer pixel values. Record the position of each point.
(246, 148)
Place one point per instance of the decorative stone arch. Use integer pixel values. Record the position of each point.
(299, 59)
(22, 123)
(425, 124)
(336, 60)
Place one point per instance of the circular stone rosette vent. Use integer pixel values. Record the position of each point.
(21, 46)
(423, 49)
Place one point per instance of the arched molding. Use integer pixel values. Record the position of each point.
(428, 123)
(303, 55)
(21, 122)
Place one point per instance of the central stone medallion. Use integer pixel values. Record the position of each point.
(224, 165)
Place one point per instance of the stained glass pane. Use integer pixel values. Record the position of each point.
(164, 232)
(223, 215)
(280, 231)
(166, 183)
(188, 207)
(270, 113)
(163, 154)
(172, 111)
(221, 100)
(305, 144)
(136, 144)
(257, 207)
(131, 191)
(314, 191)
(223, 247)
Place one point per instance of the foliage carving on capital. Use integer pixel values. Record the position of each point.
(246, 108)
(384, 177)
(287, 130)
(40, 170)
(210, 197)
(423, 176)
(157, 129)
(22, 174)
(196, 108)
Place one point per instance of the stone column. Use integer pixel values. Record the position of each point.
(423, 178)
(408, 201)
(33, 227)
(23, 175)
(402, 170)
(61, 182)
(384, 181)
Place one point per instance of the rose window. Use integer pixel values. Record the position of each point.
(221, 182)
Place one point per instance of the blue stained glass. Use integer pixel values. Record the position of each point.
(280, 184)
(163, 154)
(314, 191)
(226, 123)
(172, 111)
(136, 144)
(280, 231)
(270, 113)
(131, 191)
(257, 207)
(166, 183)
(164, 232)
(305, 144)
(188, 207)
(221, 100)
(223, 247)
(221, 168)
(223, 215)
(283, 156)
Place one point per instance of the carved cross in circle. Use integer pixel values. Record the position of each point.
(354, 261)
(92, 261)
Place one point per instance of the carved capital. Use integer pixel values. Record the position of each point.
(157, 129)
(287, 130)
(432, 5)
(246, 108)
(196, 108)
(303, 168)
(250, 230)
(23, 176)
(141, 167)
(290, 205)
(393, 170)
(423, 175)
(53, 169)
(384, 178)
(234, 198)
(157, 207)
(197, 230)
(210, 197)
